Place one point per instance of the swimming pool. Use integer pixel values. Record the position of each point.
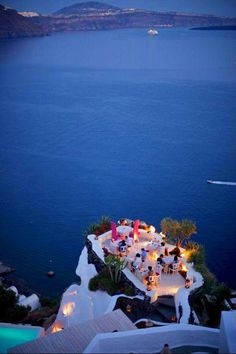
(12, 335)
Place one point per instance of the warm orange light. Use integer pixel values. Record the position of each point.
(57, 327)
(184, 268)
(68, 308)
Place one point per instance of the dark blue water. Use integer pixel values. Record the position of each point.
(115, 123)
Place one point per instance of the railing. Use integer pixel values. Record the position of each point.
(151, 340)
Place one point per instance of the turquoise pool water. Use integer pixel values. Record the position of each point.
(12, 336)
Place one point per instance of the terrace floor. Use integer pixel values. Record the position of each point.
(166, 284)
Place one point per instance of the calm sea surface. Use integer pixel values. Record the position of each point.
(115, 123)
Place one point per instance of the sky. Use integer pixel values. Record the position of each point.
(216, 7)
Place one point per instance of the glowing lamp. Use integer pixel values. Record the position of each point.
(57, 327)
(68, 309)
(184, 268)
(128, 308)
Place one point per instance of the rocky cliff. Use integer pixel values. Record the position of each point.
(13, 25)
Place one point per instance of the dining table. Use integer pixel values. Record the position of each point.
(168, 259)
(124, 230)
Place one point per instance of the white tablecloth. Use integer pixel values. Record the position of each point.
(168, 259)
(124, 230)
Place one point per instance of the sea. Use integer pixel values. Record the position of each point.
(115, 123)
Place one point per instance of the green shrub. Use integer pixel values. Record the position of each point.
(16, 313)
(106, 284)
(49, 302)
(103, 282)
(197, 256)
(129, 291)
(7, 299)
(94, 283)
(99, 228)
(9, 310)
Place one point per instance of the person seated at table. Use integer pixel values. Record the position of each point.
(157, 242)
(143, 254)
(160, 260)
(150, 274)
(166, 251)
(163, 246)
(123, 222)
(122, 246)
(129, 241)
(136, 262)
(176, 251)
(176, 260)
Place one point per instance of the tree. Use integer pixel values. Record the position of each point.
(188, 228)
(178, 231)
(166, 226)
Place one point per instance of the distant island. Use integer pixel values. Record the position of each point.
(93, 16)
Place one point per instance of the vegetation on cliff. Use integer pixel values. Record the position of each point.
(209, 300)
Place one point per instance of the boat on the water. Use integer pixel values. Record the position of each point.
(152, 32)
(221, 182)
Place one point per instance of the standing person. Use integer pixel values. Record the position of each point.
(166, 349)
(122, 247)
(150, 275)
(160, 260)
(136, 262)
(143, 255)
(129, 241)
(180, 308)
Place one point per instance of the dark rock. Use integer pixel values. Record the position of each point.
(4, 269)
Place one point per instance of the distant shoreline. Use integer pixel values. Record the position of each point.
(215, 28)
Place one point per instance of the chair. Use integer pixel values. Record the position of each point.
(157, 278)
(151, 278)
(159, 270)
(123, 251)
(174, 269)
(166, 268)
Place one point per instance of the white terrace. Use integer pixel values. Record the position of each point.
(165, 282)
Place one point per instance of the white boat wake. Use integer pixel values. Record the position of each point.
(221, 182)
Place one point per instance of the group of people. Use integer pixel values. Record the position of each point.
(125, 244)
(140, 259)
(161, 262)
